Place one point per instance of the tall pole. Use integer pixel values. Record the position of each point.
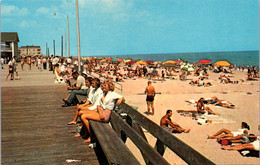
(61, 46)
(54, 48)
(46, 48)
(68, 36)
(78, 36)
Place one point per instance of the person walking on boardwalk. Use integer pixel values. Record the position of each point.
(150, 91)
(174, 127)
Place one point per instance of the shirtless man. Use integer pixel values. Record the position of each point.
(150, 91)
(201, 108)
(174, 127)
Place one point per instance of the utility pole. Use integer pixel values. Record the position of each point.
(54, 48)
(62, 46)
(78, 36)
(46, 48)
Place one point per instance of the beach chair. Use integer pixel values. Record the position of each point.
(58, 79)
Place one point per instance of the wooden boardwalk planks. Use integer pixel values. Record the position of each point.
(34, 129)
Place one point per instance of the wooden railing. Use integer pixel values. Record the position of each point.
(131, 126)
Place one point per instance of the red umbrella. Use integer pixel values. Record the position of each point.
(131, 62)
(120, 60)
(177, 61)
(204, 62)
(149, 62)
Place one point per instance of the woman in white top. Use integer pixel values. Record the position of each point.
(95, 94)
(227, 133)
(104, 107)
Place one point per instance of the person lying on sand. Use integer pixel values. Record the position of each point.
(226, 104)
(201, 108)
(227, 133)
(251, 78)
(242, 138)
(254, 146)
(174, 127)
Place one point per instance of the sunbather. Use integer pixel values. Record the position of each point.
(174, 127)
(227, 133)
(226, 104)
(201, 108)
(254, 146)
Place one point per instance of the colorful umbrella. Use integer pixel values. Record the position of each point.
(120, 60)
(131, 62)
(141, 63)
(115, 60)
(103, 60)
(204, 62)
(126, 61)
(177, 61)
(169, 62)
(149, 62)
(222, 63)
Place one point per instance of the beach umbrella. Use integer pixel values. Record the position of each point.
(169, 62)
(120, 60)
(141, 63)
(131, 62)
(109, 59)
(222, 63)
(126, 61)
(149, 62)
(204, 62)
(115, 60)
(103, 60)
(177, 61)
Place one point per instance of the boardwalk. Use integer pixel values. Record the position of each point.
(34, 129)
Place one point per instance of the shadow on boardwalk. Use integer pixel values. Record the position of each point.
(34, 129)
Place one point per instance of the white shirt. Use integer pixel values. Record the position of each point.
(109, 101)
(81, 82)
(95, 97)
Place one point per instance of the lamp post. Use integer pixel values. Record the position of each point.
(78, 36)
(68, 31)
(65, 39)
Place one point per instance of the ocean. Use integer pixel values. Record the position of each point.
(247, 58)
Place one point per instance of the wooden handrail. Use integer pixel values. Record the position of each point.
(183, 150)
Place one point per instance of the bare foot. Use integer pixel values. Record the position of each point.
(210, 137)
(77, 135)
(87, 141)
(72, 122)
(187, 130)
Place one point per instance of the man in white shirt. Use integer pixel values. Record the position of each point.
(79, 88)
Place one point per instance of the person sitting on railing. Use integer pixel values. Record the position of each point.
(104, 107)
(95, 94)
(174, 127)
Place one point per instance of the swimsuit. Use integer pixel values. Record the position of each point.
(150, 98)
(213, 101)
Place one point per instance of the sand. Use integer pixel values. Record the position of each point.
(173, 96)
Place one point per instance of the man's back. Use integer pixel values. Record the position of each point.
(150, 90)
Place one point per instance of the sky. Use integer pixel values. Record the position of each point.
(120, 27)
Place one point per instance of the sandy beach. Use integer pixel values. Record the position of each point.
(173, 96)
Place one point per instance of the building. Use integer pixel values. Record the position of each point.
(9, 44)
(30, 51)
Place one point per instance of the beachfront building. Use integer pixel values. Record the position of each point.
(30, 51)
(9, 44)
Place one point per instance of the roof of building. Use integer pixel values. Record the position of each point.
(9, 36)
(32, 46)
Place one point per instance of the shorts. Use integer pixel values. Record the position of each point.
(106, 114)
(150, 98)
(168, 129)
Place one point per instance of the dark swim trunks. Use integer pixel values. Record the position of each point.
(150, 98)
(213, 101)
